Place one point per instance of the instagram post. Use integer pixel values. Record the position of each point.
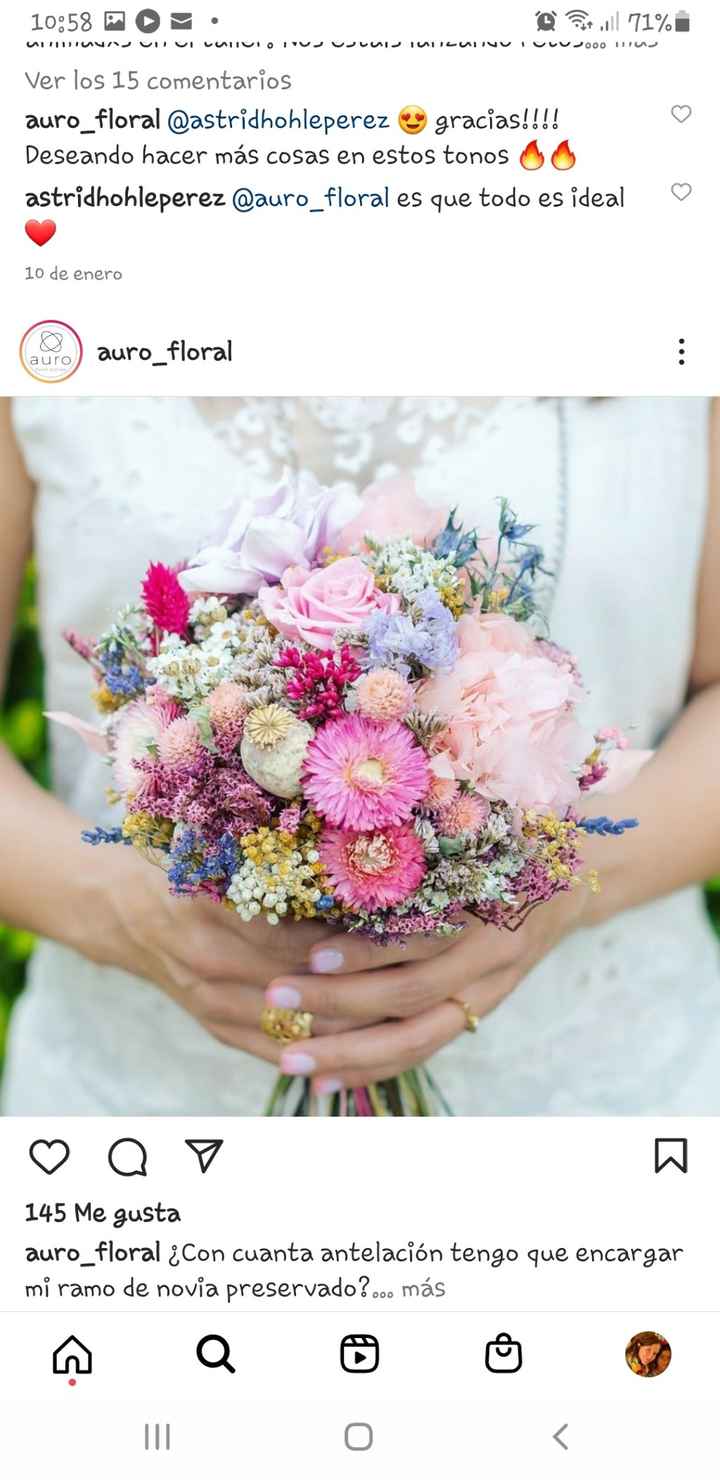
(359, 579)
(399, 789)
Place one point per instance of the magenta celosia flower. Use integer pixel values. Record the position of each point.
(372, 870)
(166, 603)
(361, 774)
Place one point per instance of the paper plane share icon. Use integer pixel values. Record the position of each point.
(205, 1151)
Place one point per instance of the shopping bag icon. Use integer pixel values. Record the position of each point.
(503, 1354)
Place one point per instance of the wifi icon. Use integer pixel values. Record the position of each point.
(579, 18)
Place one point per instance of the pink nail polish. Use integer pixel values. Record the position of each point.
(327, 1086)
(283, 997)
(327, 959)
(293, 1062)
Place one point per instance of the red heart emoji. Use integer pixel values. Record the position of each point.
(40, 232)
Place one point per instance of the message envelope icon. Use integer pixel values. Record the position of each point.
(181, 20)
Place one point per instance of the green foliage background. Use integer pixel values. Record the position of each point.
(22, 728)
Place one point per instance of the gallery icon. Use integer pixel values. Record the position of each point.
(115, 20)
(503, 1354)
(49, 1156)
(147, 21)
(359, 1354)
(51, 351)
(72, 1359)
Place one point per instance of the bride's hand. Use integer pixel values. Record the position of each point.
(417, 1007)
(198, 953)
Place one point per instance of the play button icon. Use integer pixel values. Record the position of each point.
(147, 21)
(359, 1354)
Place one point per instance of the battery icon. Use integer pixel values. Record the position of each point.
(682, 21)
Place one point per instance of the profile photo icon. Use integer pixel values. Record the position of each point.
(648, 1354)
(51, 351)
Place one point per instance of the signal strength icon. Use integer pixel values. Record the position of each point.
(579, 18)
(613, 23)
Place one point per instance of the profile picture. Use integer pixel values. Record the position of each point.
(648, 1354)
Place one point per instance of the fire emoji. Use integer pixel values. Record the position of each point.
(563, 158)
(531, 158)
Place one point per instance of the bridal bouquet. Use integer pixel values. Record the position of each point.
(349, 710)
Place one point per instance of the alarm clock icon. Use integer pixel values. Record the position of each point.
(546, 20)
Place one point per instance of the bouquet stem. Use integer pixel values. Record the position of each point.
(414, 1093)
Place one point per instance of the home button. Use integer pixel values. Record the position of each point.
(72, 1358)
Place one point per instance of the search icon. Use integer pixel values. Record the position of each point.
(218, 1354)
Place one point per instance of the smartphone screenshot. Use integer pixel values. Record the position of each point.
(359, 801)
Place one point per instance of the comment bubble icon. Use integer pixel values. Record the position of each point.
(128, 1157)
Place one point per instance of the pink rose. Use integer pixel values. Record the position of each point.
(313, 607)
(390, 509)
(511, 727)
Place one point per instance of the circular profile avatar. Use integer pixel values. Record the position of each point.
(51, 351)
(648, 1354)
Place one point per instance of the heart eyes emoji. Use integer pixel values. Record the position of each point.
(412, 118)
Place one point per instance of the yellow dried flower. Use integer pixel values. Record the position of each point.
(146, 831)
(106, 702)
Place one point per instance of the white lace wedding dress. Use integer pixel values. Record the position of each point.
(621, 1019)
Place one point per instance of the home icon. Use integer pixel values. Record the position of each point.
(73, 1357)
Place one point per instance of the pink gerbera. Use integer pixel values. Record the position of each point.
(361, 774)
(372, 870)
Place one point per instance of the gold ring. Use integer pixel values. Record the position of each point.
(286, 1024)
(471, 1018)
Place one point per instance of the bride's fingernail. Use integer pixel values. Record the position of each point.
(283, 997)
(297, 1063)
(327, 1086)
(326, 959)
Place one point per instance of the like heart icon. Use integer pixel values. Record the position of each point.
(49, 1156)
(40, 232)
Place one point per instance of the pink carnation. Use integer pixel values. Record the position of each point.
(165, 601)
(384, 694)
(312, 606)
(180, 744)
(511, 728)
(361, 774)
(372, 870)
